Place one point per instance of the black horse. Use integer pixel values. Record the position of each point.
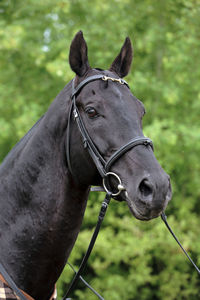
(42, 199)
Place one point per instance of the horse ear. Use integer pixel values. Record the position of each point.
(122, 63)
(78, 58)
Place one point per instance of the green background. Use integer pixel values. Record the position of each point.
(132, 259)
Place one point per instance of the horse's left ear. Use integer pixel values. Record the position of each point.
(122, 63)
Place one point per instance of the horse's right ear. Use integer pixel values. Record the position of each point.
(78, 58)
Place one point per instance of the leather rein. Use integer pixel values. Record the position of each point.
(104, 170)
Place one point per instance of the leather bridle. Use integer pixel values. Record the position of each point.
(104, 170)
(101, 164)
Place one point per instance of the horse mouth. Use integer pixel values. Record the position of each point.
(140, 215)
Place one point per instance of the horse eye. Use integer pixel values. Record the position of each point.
(91, 112)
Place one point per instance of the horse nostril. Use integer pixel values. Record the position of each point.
(145, 188)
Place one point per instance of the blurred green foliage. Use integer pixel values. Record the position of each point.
(132, 259)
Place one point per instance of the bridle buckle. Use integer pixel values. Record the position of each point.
(119, 80)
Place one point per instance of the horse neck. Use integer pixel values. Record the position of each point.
(41, 206)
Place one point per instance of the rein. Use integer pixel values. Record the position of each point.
(164, 218)
(101, 216)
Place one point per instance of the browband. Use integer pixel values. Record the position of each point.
(76, 90)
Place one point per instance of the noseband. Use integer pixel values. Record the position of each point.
(102, 165)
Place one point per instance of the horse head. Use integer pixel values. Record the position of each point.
(112, 116)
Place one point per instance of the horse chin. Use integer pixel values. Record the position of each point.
(139, 214)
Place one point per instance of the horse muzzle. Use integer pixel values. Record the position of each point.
(150, 199)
